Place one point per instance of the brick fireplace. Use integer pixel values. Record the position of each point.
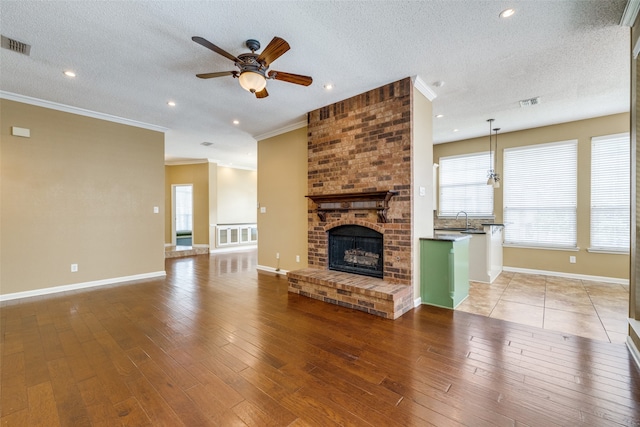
(362, 145)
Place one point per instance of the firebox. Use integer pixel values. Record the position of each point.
(356, 249)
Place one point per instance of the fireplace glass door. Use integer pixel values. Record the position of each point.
(356, 249)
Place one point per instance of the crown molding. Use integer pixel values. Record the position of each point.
(424, 89)
(80, 111)
(630, 13)
(280, 131)
(187, 162)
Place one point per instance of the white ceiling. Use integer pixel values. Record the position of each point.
(132, 57)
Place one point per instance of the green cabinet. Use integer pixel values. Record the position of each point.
(444, 270)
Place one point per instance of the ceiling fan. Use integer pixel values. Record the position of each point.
(253, 67)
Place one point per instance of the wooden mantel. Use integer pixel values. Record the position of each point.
(372, 200)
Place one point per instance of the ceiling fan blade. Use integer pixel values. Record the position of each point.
(273, 51)
(262, 94)
(291, 78)
(219, 74)
(213, 47)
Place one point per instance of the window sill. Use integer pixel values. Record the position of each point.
(608, 251)
(544, 248)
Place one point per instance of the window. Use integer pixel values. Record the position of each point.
(610, 193)
(540, 195)
(463, 185)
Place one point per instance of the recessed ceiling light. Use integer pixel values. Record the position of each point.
(171, 104)
(69, 73)
(328, 86)
(455, 130)
(439, 83)
(439, 116)
(236, 122)
(507, 13)
(207, 143)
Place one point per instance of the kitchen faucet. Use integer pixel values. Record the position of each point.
(466, 217)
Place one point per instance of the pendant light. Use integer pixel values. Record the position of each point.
(496, 176)
(491, 175)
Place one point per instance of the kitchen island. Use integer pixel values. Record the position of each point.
(444, 269)
(485, 250)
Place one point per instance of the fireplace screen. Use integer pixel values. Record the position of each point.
(356, 249)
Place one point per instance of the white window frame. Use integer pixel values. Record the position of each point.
(610, 207)
(541, 195)
(471, 187)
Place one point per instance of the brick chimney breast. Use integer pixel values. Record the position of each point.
(363, 144)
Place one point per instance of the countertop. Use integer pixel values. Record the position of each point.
(448, 237)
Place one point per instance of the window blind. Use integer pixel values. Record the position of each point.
(540, 195)
(463, 185)
(610, 193)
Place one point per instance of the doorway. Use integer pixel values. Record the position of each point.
(182, 214)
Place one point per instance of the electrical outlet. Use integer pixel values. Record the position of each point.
(74, 268)
(277, 255)
(297, 258)
(572, 259)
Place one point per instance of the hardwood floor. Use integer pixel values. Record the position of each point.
(217, 343)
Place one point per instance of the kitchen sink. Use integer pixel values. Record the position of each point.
(473, 231)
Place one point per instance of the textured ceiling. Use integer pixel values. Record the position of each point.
(132, 57)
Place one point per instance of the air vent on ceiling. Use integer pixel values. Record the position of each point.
(530, 102)
(15, 45)
(206, 144)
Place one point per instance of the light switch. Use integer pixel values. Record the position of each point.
(263, 209)
(423, 191)
(156, 209)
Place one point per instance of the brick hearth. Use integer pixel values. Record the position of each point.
(371, 295)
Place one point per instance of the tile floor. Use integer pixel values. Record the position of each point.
(589, 309)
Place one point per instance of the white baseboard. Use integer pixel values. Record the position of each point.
(75, 286)
(567, 275)
(232, 249)
(417, 302)
(633, 349)
(272, 270)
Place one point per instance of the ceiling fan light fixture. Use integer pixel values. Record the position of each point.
(252, 81)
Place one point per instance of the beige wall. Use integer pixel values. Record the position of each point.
(282, 186)
(422, 177)
(237, 195)
(593, 264)
(197, 175)
(79, 191)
